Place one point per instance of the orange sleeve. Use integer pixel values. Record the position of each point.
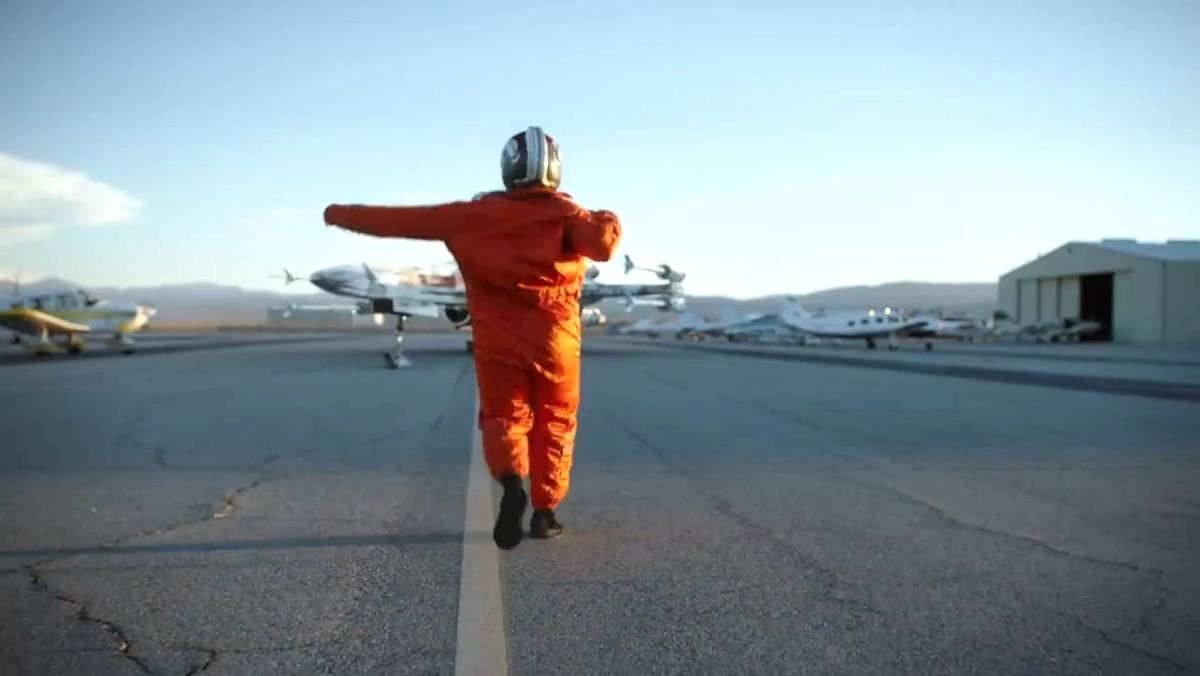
(437, 222)
(594, 234)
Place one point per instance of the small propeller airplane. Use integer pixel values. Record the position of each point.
(34, 318)
(416, 292)
(869, 326)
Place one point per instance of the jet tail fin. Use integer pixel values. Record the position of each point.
(370, 274)
(793, 308)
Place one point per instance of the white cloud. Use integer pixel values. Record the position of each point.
(15, 234)
(36, 198)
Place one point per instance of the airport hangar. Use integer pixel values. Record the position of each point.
(1141, 292)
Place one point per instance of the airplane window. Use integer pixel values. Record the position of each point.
(850, 323)
(879, 320)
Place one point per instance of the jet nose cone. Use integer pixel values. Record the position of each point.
(320, 280)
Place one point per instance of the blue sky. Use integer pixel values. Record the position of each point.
(764, 147)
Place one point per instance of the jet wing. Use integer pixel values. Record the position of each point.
(32, 322)
(426, 295)
(416, 309)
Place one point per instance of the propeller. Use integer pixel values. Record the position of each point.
(288, 277)
(663, 272)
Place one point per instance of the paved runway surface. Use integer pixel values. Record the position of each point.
(292, 507)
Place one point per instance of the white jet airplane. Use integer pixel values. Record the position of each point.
(408, 292)
(34, 318)
(959, 327)
(677, 326)
(869, 326)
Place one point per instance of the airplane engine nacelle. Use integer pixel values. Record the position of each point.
(592, 317)
(675, 304)
(457, 315)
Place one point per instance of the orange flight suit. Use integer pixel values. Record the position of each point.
(522, 255)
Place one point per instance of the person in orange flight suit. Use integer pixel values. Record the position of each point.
(523, 254)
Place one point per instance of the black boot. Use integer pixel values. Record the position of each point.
(544, 525)
(508, 532)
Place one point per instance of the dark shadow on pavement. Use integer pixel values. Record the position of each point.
(322, 542)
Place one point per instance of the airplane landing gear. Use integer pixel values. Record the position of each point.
(892, 345)
(74, 344)
(396, 359)
(43, 347)
(123, 343)
(871, 344)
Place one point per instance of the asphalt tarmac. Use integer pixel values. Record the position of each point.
(292, 507)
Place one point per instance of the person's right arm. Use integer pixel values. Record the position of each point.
(437, 222)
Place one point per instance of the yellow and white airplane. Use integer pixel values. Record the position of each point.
(34, 318)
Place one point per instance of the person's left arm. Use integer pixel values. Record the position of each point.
(594, 234)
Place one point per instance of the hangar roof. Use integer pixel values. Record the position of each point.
(1171, 250)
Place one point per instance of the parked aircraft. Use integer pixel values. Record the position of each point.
(34, 318)
(408, 292)
(870, 326)
(960, 327)
(680, 326)
(1053, 331)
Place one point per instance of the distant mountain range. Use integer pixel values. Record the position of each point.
(204, 302)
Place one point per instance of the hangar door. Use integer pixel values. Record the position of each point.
(1068, 297)
(1048, 299)
(1027, 301)
(1096, 302)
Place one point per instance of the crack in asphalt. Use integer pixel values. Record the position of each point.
(210, 656)
(222, 510)
(1109, 639)
(1134, 649)
(759, 407)
(946, 516)
(1156, 574)
(828, 579)
(225, 509)
(161, 459)
(124, 646)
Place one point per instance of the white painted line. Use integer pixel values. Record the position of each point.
(480, 647)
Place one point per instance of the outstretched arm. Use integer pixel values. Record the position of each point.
(438, 222)
(594, 234)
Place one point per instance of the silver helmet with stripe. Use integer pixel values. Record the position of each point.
(531, 158)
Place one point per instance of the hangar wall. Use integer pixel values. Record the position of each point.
(1181, 302)
(1128, 324)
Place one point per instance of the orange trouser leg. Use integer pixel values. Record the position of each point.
(552, 441)
(505, 417)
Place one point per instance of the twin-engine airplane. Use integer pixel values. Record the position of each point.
(71, 313)
(413, 292)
